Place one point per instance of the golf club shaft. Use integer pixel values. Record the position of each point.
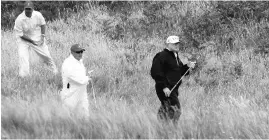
(179, 80)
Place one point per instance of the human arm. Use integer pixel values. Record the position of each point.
(158, 74)
(77, 78)
(74, 74)
(28, 39)
(43, 28)
(43, 32)
(18, 28)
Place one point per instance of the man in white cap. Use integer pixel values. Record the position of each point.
(74, 78)
(167, 69)
(30, 35)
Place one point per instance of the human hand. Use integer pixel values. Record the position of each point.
(41, 42)
(191, 64)
(88, 79)
(167, 92)
(90, 72)
(38, 43)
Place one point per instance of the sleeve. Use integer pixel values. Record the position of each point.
(185, 68)
(82, 80)
(41, 19)
(18, 28)
(74, 76)
(157, 72)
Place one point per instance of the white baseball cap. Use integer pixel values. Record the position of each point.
(172, 39)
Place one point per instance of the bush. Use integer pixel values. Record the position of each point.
(243, 10)
(51, 10)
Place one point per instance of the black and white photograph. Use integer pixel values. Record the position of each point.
(132, 69)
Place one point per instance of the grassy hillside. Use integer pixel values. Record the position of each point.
(227, 96)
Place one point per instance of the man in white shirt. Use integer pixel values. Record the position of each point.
(30, 36)
(75, 80)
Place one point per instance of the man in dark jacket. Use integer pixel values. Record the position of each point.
(168, 67)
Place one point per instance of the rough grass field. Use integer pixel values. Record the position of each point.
(126, 103)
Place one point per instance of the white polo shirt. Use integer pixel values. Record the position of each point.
(74, 73)
(29, 26)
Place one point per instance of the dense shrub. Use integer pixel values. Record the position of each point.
(51, 10)
(243, 10)
(198, 22)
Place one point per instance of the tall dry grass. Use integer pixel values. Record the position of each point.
(126, 104)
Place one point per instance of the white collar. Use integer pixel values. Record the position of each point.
(74, 59)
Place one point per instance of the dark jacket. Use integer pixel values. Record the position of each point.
(165, 70)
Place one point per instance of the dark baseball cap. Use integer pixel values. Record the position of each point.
(76, 48)
(28, 4)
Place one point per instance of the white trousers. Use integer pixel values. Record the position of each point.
(24, 51)
(76, 100)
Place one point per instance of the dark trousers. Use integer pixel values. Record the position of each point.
(170, 106)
